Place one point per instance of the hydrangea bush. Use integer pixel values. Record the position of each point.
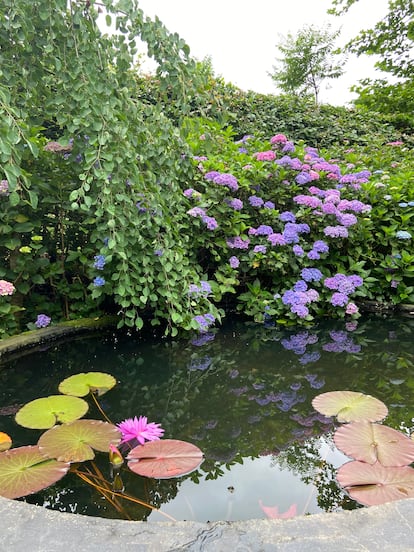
(107, 205)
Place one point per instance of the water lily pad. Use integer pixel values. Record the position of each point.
(82, 384)
(375, 442)
(164, 458)
(5, 441)
(376, 484)
(77, 441)
(25, 470)
(48, 411)
(350, 406)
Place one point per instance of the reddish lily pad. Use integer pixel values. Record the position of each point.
(5, 441)
(350, 406)
(375, 442)
(48, 411)
(77, 441)
(82, 384)
(25, 470)
(376, 484)
(164, 458)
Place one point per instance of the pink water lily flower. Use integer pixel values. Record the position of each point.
(140, 429)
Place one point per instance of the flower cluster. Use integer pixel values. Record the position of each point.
(42, 321)
(204, 321)
(4, 187)
(99, 262)
(203, 290)
(6, 288)
(223, 179)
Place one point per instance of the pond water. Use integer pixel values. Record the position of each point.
(242, 395)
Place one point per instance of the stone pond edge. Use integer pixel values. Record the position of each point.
(388, 527)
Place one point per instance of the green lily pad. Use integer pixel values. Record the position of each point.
(82, 384)
(350, 406)
(25, 470)
(48, 411)
(77, 441)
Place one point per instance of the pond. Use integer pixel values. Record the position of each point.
(242, 395)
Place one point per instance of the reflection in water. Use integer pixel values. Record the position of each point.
(243, 395)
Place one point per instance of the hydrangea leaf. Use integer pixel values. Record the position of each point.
(46, 412)
(350, 406)
(76, 442)
(82, 384)
(164, 458)
(370, 443)
(375, 484)
(25, 470)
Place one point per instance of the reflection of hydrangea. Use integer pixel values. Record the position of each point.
(200, 363)
(307, 358)
(314, 382)
(202, 339)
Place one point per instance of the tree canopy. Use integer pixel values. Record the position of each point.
(307, 60)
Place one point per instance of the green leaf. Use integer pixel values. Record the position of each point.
(82, 384)
(48, 411)
(25, 470)
(76, 442)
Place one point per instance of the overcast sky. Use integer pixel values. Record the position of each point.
(241, 36)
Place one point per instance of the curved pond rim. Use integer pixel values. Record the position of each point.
(387, 527)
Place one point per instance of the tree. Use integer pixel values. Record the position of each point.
(308, 60)
(392, 38)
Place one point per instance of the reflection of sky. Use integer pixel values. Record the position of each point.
(257, 479)
(237, 494)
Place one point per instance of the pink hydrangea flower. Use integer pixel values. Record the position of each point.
(6, 288)
(351, 308)
(265, 155)
(278, 139)
(140, 429)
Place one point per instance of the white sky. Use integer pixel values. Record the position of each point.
(241, 36)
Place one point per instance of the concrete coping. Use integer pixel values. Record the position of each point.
(385, 528)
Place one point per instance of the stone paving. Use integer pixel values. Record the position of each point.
(386, 528)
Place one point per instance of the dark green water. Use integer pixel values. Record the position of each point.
(243, 395)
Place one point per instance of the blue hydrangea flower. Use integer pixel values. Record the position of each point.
(403, 235)
(99, 281)
(99, 262)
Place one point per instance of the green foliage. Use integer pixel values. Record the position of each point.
(307, 60)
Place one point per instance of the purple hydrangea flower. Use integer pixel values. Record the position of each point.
(236, 204)
(234, 262)
(339, 299)
(268, 205)
(210, 222)
(259, 249)
(238, 243)
(99, 262)
(223, 179)
(276, 239)
(311, 274)
(287, 216)
(196, 212)
(42, 321)
(320, 246)
(298, 251)
(264, 230)
(336, 231)
(256, 201)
